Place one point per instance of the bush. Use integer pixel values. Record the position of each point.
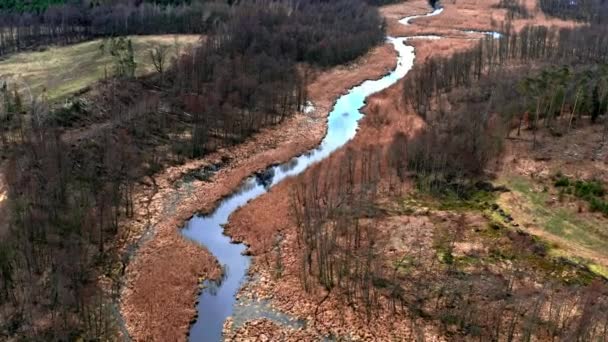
(69, 114)
(591, 191)
(588, 189)
(598, 205)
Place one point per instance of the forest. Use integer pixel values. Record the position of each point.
(559, 76)
(580, 10)
(67, 197)
(72, 22)
(42, 5)
(64, 22)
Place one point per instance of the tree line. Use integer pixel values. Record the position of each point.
(37, 6)
(594, 11)
(537, 44)
(516, 9)
(72, 22)
(339, 248)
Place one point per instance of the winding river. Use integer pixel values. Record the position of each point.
(217, 299)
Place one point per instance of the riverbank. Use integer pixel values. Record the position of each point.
(161, 280)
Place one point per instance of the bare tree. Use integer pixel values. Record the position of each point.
(158, 56)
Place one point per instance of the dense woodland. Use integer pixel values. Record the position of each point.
(560, 77)
(580, 10)
(71, 22)
(67, 197)
(38, 24)
(34, 6)
(516, 9)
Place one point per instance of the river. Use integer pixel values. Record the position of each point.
(217, 299)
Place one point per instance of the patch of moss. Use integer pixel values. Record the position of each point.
(477, 200)
(404, 266)
(467, 260)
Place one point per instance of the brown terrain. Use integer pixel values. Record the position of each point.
(161, 280)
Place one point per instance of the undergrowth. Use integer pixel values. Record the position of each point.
(592, 191)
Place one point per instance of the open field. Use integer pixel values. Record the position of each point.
(541, 208)
(66, 69)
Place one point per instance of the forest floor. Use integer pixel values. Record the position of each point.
(63, 70)
(161, 280)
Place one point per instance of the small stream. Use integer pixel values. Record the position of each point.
(217, 299)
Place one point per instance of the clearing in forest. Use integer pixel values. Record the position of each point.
(559, 192)
(63, 70)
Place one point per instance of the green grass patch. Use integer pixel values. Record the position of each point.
(508, 244)
(476, 200)
(592, 191)
(599, 270)
(563, 222)
(64, 70)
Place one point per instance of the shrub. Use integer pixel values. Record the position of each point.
(598, 205)
(588, 189)
(562, 181)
